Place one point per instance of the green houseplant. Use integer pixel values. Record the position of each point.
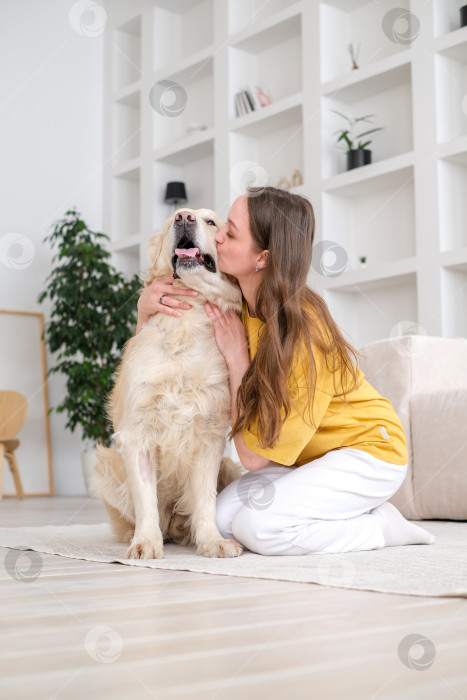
(357, 152)
(93, 314)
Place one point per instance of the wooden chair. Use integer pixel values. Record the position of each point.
(13, 410)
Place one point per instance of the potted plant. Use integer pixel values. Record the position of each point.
(357, 153)
(93, 314)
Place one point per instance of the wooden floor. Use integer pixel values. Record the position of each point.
(91, 630)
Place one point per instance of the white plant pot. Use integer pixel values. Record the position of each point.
(88, 461)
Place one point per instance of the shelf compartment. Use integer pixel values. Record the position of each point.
(125, 255)
(198, 176)
(129, 170)
(453, 45)
(275, 52)
(126, 128)
(126, 245)
(454, 299)
(173, 29)
(125, 218)
(271, 149)
(126, 50)
(198, 108)
(276, 29)
(452, 184)
(372, 310)
(273, 116)
(391, 172)
(187, 68)
(376, 276)
(446, 17)
(393, 110)
(362, 221)
(250, 16)
(348, 21)
(188, 149)
(451, 87)
(386, 74)
(129, 94)
(454, 258)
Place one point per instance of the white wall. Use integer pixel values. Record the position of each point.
(51, 150)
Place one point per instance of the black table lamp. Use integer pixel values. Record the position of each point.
(175, 193)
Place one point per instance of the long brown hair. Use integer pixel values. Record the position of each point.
(295, 318)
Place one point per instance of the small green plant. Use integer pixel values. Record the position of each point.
(93, 314)
(348, 135)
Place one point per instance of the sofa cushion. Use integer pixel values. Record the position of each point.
(403, 367)
(439, 441)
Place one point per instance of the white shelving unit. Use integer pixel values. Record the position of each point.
(406, 212)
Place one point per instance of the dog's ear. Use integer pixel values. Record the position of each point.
(159, 265)
(155, 246)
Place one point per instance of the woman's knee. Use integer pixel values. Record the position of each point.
(250, 528)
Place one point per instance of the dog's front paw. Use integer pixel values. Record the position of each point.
(145, 549)
(221, 548)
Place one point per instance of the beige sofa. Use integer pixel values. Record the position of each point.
(425, 378)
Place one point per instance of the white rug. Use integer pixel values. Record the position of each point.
(438, 569)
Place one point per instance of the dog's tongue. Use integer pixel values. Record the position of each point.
(186, 252)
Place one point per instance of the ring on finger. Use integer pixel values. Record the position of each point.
(160, 300)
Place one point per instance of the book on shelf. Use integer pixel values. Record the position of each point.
(243, 103)
(250, 100)
(253, 97)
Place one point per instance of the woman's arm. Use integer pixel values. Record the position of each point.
(149, 304)
(231, 340)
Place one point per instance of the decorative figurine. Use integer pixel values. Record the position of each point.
(354, 56)
(283, 183)
(297, 179)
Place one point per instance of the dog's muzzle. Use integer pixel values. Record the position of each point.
(187, 255)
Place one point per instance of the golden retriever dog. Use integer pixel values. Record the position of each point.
(170, 407)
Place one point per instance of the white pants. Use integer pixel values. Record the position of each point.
(319, 508)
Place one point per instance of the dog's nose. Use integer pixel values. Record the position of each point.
(185, 217)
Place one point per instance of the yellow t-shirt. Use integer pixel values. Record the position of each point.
(368, 421)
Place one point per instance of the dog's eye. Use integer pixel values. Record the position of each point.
(210, 222)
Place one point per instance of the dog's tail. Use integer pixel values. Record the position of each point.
(109, 480)
(229, 471)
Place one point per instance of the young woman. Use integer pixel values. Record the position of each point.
(324, 449)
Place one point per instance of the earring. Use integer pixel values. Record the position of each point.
(257, 268)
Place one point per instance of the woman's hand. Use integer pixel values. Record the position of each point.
(158, 296)
(230, 336)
